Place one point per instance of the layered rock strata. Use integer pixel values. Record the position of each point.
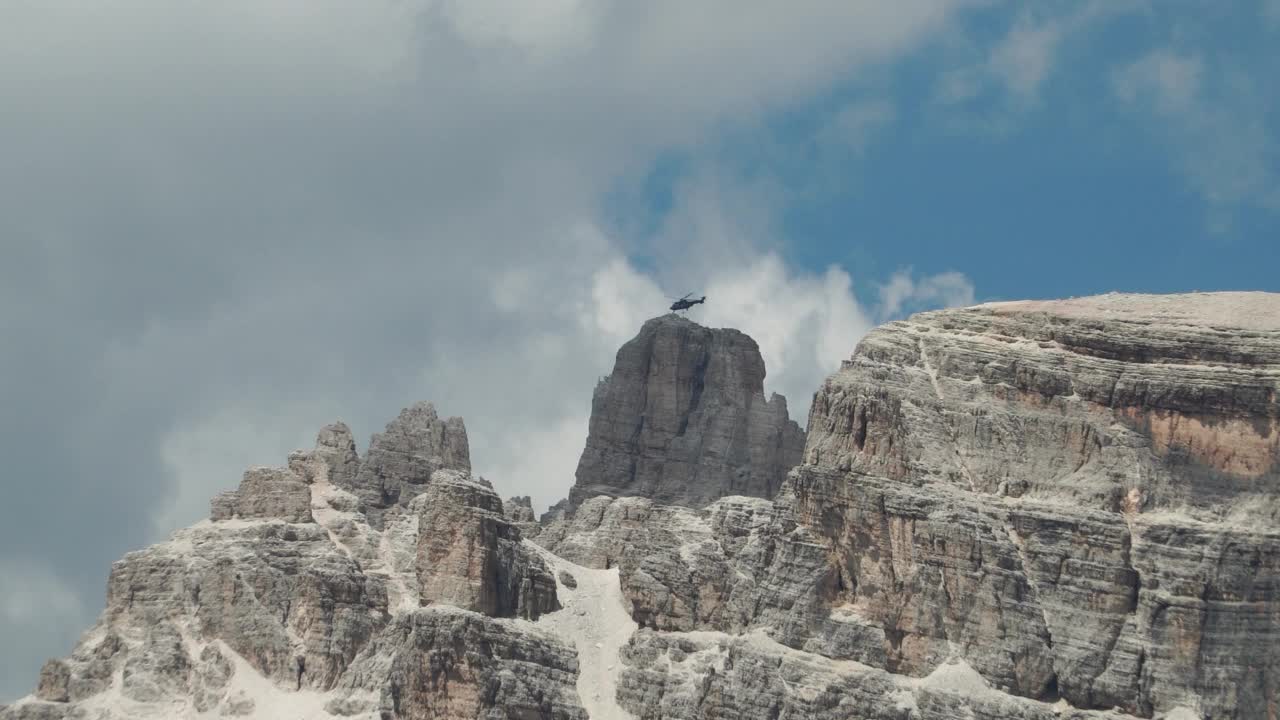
(1082, 496)
(1018, 510)
(683, 420)
(1077, 500)
(291, 601)
(470, 556)
(402, 458)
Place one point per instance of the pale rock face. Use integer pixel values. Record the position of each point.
(680, 568)
(1081, 496)
(519, 511)
(1035, 511)
(266, 493)
(683, 420)
(402, 458)
(283, 602)
(684, 676)
(333, 460)
(439, 662)
(471, 556)
(989, 484)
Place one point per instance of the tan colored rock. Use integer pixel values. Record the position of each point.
(1079, 496)
(471, 556)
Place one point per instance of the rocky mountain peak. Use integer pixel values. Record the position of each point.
(683, 419)
(1142, 402)
(402, 458)
(1033, 511)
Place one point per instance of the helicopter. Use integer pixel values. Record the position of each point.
(687, 302)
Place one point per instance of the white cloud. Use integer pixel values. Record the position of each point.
(1027, 56)
(904, 294)
(1168, 82)
(1024, 59)
(241, 220)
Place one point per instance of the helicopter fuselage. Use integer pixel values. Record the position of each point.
(685, 304)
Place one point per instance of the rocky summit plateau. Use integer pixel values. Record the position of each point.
(1034, 510)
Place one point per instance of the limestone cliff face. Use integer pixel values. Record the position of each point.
(1082, 496)
(402, 458)
(1046, 511)
(470, 555)
(1077, 501)
(302, 598)
(683, 420)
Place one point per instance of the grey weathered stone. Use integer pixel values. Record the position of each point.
(266, 493)
(677, 676)
(1078, 499)
(212, 674)
(1027, 510)
(683, 420)
(283, 596)
(160, 668)
(519, 511)
(55, 679)
(1080, 496)
(471, 556)
(402, 458)
(38, 710)
(441, 662)
(558, 511)
(333, 460)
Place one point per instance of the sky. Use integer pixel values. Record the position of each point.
(223, 225)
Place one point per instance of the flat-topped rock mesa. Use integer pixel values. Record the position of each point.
(1081, 496)
(683, 420)
(1131, 403)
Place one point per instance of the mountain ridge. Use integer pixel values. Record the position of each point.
(1016, 510)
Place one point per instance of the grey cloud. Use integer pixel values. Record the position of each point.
(226, 217)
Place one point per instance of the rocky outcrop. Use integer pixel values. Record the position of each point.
(1076, 500)
(281, 595)
(558, 511)
(519, 510)
(681, 676)
(443, 663)
(471, 556)
(683, 420)
(680, 568)
(333, 460)
(290, 594)
(402, 458)
(1080, 497)
(266, 493)
(1019, 510)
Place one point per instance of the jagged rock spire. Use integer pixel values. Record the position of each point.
(683, 419)
(402, 458)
